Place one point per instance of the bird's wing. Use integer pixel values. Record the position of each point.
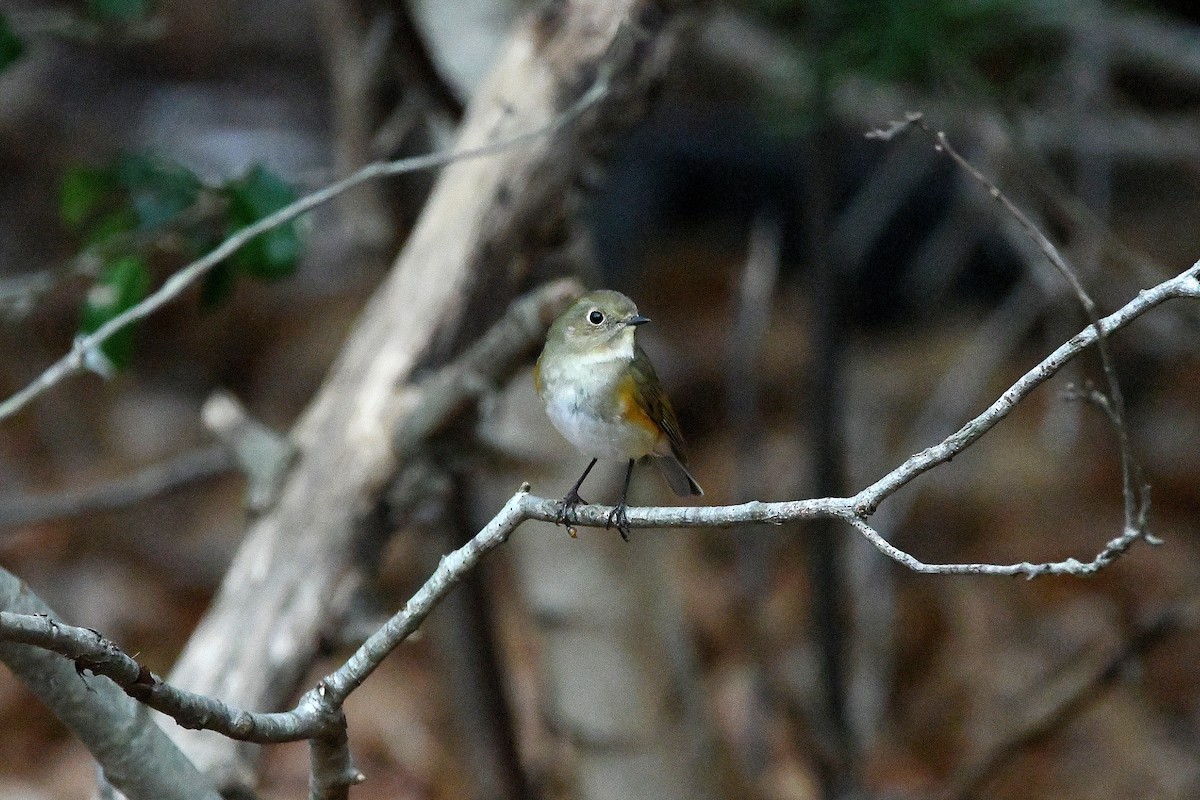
(653, 402)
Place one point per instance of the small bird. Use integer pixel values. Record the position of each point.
(603, 396)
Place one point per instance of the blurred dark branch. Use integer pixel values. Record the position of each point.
(355, 46)
(1052, 704)
(825, 384)
(188, 467)
(754, 304)
(465, 637)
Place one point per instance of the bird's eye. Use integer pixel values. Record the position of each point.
(595, 316)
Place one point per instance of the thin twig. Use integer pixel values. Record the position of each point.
(175, 285)
(1134, 489)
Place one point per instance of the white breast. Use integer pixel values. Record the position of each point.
(592, 434)
(570, 394)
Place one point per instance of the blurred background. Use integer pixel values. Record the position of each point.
(824, 305)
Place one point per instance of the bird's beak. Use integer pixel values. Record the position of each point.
(637, 319)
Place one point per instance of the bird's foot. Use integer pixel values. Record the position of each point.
(566, 512)
(620, 520)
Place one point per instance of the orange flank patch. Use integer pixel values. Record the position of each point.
(633, 411)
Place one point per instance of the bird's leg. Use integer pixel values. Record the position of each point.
(565, 514)
(617, 516)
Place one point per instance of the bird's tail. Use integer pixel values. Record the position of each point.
(680, 480)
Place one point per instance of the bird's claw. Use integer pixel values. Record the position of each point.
(620, 520)
(566, 511)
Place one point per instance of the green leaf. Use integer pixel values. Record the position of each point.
(135, 191)
(273, 254)
(11, 47)
(81, 194)
(122, 284)
(119, 10)
(158, 189)
(114, 223)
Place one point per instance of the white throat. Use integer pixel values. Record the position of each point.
(621, 349)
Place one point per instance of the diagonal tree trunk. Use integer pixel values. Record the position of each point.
(262, 631)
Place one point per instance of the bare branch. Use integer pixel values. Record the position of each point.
(262, 454)
(448, 573)
(317, 718)
(173, 287)
(1183, 285)
(318, 715)
(1136, 493)
(1137, 500)
(131, 750)
(331, 768)
(93, 653)
(857, 509)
